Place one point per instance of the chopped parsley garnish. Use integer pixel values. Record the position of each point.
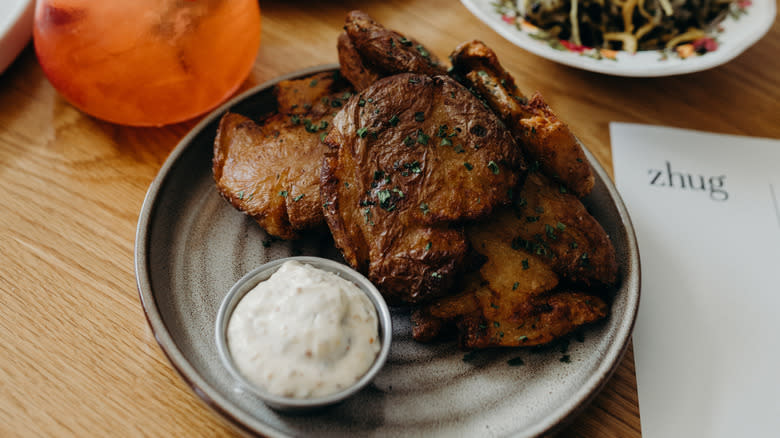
(424, 208)
(560, 226)
(476, 147)
(394, 120)
(299, 197)
(408, 141)
(468, 166)
(378, 174)
(562, 188)
(384, 200)
(313, 83)
(522, 338)
(442, 131)
(435, 275)
(470, 356)
(493, 167)
(422, 138)
(414, 80)
(295, 119)
(362, 132)
(550, 232)
(310, 127)
(573, 245)
(397, 191)
(428, 246)
(424, 53)
(515, 362)
(531, 219)
(459, 149)
(525, 264)
(362, 102)
(405, 41)
(445, 142)
(414, 166)
(283, 193)
(241, 194)
(496, 324)
(419, 116)
(515, 286)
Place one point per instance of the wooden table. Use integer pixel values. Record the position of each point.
(76, 354)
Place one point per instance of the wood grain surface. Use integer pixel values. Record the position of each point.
(77, 357)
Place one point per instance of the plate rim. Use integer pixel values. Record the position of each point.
(763, 22)
(214, 399)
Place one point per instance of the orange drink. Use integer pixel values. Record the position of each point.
(146, 62)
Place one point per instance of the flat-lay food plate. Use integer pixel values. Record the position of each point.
(746, 23)
(191, 246)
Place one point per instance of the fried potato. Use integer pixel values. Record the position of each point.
(271, 169)
(505, 323)
(544, 137)
(369, 51)
(402, 175)
(554, 225)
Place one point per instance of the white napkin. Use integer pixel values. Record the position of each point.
(706, 209)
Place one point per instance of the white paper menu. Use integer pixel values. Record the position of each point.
(706, 211)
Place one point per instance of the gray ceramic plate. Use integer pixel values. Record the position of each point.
(191, 246)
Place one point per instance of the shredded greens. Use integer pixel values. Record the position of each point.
(628, 25)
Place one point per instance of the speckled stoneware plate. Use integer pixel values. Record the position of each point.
(746, 22)
(191, 246)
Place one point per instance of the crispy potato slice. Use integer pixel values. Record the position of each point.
(544, 137)
(542, 320)
(271, 169)
(556, 226)
(369, 51)
(402, 175)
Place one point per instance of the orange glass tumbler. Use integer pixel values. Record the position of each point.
(146, 62)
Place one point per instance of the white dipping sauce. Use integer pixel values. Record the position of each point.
(303, 333)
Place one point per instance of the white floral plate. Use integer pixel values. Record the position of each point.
(746, 23)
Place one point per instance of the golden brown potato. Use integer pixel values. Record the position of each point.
(369, 51)
(505, 323)
(402, 174)
(352, 66)
(545, 138)
(554, 225)
(515, 271)
(271, 170)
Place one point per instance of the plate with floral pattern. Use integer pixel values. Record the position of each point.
(746, 22)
